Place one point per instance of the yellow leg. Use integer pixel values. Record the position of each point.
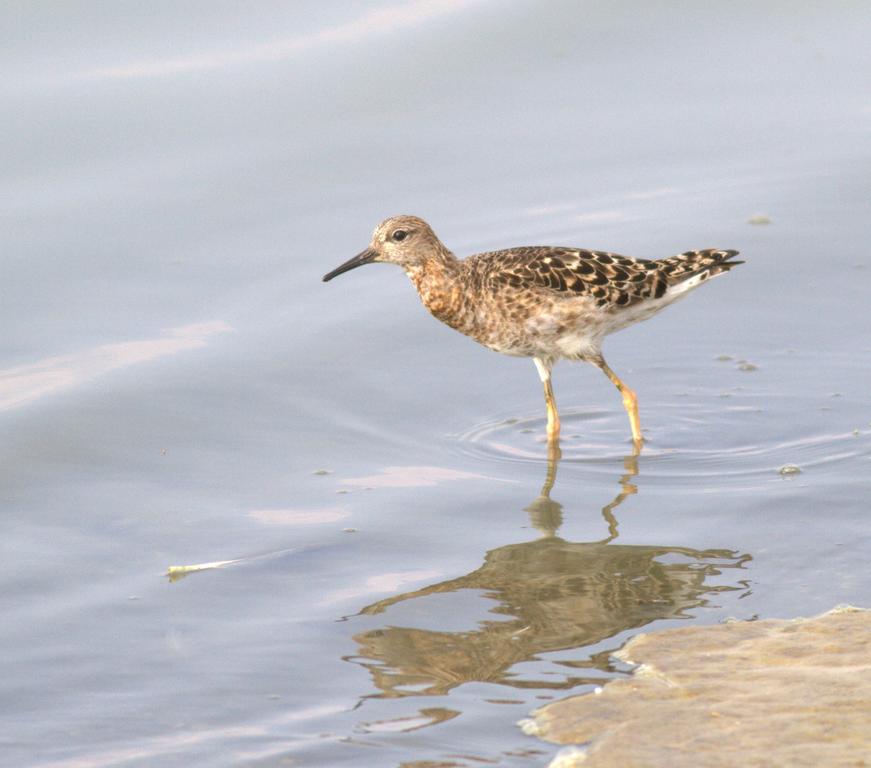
(630, 401)
(553, 424)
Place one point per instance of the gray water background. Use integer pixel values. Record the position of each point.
(176, 179)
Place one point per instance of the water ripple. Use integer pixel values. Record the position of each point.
(693, 447)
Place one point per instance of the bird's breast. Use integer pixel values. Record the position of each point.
(446, 304)
(523, 323)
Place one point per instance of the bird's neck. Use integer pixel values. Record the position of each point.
(442, 290)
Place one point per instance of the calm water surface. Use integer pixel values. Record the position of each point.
(411, 576)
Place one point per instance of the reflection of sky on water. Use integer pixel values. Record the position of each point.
(384, 20)
(412, 477)
(383, 582)
(23, 384)
(299, 516)
(192, 740)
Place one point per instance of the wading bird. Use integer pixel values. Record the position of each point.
(541, 302)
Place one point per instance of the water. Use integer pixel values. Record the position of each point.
(177, 386)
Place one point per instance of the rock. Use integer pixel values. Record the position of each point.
(750, 693)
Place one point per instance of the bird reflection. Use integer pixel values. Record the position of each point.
(546, 515)
(551, 595)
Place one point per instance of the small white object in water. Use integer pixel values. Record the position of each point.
(175, 572)
(759, 218)
(528, 726)
(569, 757)
(790, 469)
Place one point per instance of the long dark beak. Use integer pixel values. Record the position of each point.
(366, 257)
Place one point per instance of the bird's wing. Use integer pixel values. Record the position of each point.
(608, 278)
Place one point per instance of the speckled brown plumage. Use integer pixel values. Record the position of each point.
(542, 302)
(614, 281)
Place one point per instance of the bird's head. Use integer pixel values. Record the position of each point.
(404, 240)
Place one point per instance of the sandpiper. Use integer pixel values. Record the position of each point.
(542, 302)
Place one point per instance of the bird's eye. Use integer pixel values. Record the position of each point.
(399, 235)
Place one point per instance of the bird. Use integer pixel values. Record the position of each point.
(544, 302)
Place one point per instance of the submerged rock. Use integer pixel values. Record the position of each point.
(749, 693)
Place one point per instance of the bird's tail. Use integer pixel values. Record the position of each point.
(687, 270)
